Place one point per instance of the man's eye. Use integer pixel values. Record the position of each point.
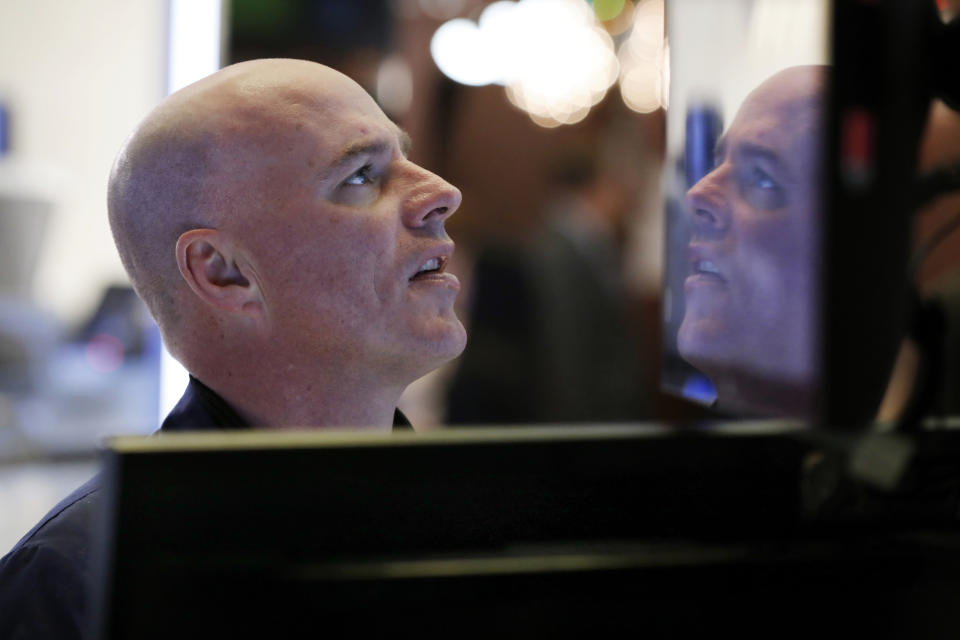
(761, 190)
(761, 179)
(360, 176)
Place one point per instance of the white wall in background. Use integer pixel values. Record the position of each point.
(77, 77)
(721, 51)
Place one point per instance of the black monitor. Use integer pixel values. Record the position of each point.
(793, 130)
(502, 533)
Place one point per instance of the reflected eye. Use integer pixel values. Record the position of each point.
(760, 179)
(760, 189)
(361, 176)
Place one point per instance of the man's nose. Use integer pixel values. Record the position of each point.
(431, 199)
(708, 203)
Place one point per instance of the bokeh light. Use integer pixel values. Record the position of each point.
(394, 85)
(552, 55)
(104, 353)
(459, 50)
(641, 88)
(620, 23)
(644, 60)
(607, 9)
(558, 58)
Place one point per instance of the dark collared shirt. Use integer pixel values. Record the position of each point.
(201, 409)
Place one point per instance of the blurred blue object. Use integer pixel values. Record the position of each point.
(698, 388)
(703, 128)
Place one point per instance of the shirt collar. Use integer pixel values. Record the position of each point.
(202, 409)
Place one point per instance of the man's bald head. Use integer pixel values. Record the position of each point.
(194, 162)
(272, 220)
(750, 316)
(795, 95)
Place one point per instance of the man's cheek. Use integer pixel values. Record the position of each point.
(764, 287)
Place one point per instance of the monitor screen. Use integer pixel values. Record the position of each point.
(469, 533)
(598, 531)
(793, 130)
(748, 97)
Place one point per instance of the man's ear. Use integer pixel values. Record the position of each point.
(208, 261)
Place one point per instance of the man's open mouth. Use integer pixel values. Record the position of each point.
(705, 268)
(433, 266)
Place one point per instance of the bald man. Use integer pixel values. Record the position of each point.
(750, 318)
(294, 259)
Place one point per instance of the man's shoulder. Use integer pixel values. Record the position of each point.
(43, 579)
(67, 525)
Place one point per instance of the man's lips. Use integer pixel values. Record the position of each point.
(432, 267)
(703, 266)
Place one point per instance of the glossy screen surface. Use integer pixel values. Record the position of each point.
(744, 203)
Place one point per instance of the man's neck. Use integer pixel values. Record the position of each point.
(289, 399)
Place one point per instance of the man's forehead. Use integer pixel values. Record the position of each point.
(336, 118)
(763, 130)
(789, 103)
(777, 122)
(342, 119)
(371, 139)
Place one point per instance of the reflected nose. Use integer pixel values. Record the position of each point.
(708, 204)
(431, 201)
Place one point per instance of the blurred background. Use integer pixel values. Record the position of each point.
(547, 114)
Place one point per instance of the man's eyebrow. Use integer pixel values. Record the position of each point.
(748, 149)
(372, 148)
(760, 151)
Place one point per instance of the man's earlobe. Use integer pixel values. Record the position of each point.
(208, 263)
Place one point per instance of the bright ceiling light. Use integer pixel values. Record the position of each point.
(551, 54)
(459, 50)
(644, 60)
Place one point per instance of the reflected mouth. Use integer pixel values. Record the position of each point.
(704, 272)
(705, 267)
(702, 267)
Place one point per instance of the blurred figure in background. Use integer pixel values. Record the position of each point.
(554, 330)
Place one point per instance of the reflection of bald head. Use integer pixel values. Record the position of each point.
(196, 161)
(750, 302)
(795, 96)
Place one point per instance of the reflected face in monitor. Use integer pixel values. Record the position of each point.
(750, 294)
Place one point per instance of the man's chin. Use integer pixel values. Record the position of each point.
(444, 343)
(698, 341)
(454, 344)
